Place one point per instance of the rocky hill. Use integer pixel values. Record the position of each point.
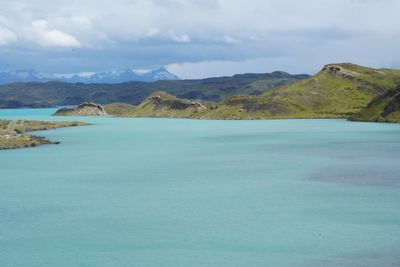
(160, 104)
(84, 109)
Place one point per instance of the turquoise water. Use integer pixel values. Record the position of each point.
(164, 192)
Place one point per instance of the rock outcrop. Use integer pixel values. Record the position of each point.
(162, 99)
(84, 109)
(162, 104)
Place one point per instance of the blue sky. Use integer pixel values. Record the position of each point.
(198, 38)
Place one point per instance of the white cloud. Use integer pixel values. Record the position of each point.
(207, 19)
(46, 36)
(6, 36)
(147, 33)
(179, 38)
(195, 70)
(72, 23)
(153, 32)
(229, 40)
(169, 35)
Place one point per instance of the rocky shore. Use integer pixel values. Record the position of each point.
(14, 134)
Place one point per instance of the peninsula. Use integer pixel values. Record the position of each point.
(14, 134)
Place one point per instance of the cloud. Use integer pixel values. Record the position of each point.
(46, 36)
(162, 36)
(153, 32)
(229, 40)
(148, 33)
(179, 38)
(6, 36)
(195, 70)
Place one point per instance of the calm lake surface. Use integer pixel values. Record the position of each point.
(179, 193)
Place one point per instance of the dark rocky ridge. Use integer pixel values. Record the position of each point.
(84, 109)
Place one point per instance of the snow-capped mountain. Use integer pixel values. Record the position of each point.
(118, 76)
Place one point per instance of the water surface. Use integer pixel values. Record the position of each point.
(164, 192)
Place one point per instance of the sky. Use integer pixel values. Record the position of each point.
(198, 38)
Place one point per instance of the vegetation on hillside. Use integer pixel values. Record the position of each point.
(384, 108)
(338, 90)
(119, 109)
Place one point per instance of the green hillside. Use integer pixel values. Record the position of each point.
(384, 108)
(119, 109)
(338, 90)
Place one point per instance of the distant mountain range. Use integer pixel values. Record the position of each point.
(117, 76)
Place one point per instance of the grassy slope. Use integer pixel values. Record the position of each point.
(384, 108)
(327, 94)
(119, 109)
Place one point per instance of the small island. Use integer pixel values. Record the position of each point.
(14, 134)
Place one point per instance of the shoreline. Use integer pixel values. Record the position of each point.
(15, 134)
(255, 119)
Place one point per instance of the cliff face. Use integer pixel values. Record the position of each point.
(84, 109)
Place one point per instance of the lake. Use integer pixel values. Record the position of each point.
(172, 192)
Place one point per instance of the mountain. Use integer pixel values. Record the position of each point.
(118, 76)
(384, 108)
(338, 90)
(48, 94)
